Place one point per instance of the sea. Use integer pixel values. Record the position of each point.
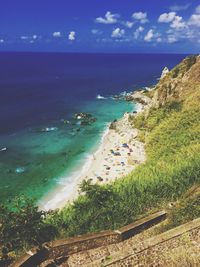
(40, 140)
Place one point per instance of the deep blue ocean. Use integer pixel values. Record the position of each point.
(40, 90)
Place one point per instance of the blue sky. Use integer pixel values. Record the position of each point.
(162, 26)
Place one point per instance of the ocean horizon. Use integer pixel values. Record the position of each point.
(40, 141)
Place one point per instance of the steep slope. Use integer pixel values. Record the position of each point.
(179, 83)
(171, 132)
(170, 128)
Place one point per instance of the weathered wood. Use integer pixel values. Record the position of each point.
(66, 247)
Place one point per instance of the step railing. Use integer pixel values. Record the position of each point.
(66, 247)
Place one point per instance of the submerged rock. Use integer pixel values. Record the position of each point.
(117, 97)
(46, 129)
(20, 170)
(3, 149)
(85, 118)
(66, 122)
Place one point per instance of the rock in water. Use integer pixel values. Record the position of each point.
(85, 118)
(20, 170)
(3, 149)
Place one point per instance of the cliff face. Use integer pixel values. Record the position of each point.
(179, 83)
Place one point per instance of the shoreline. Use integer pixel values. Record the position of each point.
(117, 155)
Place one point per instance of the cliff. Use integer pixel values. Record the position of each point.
(179, 83)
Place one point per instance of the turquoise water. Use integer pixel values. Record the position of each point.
(39, 90)
(36, 161)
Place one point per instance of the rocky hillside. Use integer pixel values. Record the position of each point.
(179, 83)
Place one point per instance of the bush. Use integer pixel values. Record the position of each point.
(23, 226)
(172, 136)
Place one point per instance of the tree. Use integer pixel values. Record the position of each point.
(98, 194)
(23, 225)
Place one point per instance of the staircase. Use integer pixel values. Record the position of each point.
(141, 248)
(99, 256)
(137, 244)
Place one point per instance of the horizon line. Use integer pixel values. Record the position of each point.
(123, 53)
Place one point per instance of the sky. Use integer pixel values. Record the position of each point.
(118, 26)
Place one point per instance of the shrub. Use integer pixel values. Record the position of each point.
(22, 225)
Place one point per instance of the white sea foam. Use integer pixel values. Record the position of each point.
(100, 97)
(67, 186)
(138, 107)
(68, 183)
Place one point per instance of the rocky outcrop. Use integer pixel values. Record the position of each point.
(139, 97)
(179, 82)
(85, 118)
(113, 125)
(164, 72)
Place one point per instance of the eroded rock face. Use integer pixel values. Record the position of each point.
(179, 82)
(164, 72)
(139, 97)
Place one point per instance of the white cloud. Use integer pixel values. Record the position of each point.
(159, 40)
(149, 36)
(171, 39)
(198, 9)
(141, 16)
(96, 31)
(104, 40)
(194, 20)
(180, 7)
(1, 41)
(138, 31)
(72, 36)
(56, 34)
(34, 37)
(185, 30)
(108, 19)
(178, 23)
(123, 40)
(167, 17)
(24, 37)
(129, 24)
(118, 33)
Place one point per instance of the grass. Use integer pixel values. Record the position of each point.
(172, 142)
(186, 209)
(172, 136)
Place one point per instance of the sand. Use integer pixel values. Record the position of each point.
(119, 153)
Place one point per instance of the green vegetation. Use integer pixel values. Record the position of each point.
(187, 209)
(182, 68)
(22, 226)
(172, 141)
(172, 136)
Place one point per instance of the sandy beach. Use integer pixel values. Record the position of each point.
(118, 154)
